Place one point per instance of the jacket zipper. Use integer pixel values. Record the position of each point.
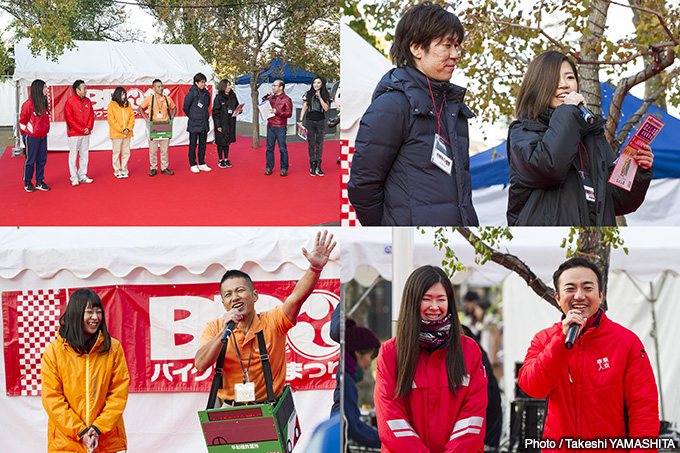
(87, 389)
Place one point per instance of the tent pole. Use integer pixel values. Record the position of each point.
(364, 295)
(652, 299)
(17, 150)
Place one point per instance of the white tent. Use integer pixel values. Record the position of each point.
(52, 258)
(642, 285)
(104, 66)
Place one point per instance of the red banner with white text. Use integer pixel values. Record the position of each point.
(100, 96)
(160, 328)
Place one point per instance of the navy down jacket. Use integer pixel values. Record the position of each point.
(392, 180)
(198, 116)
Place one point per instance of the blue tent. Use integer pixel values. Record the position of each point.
(491, 166)
(290, 74)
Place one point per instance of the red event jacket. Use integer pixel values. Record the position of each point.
(31, 124)
(79, 115)
(591, 386)
(284, 110)
(431, 418)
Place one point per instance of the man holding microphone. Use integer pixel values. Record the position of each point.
(599, 384)
(243, 373)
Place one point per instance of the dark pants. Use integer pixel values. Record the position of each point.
(201, 138)
(315, 134)
(36, 158)
(276, 135)
(223, 151)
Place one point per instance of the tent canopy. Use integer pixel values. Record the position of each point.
(101, 62)
(491, 166)
(280, 70)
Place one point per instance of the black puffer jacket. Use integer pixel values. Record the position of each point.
(223, 109)
(545, 185)
(392, 180)
(198, 116)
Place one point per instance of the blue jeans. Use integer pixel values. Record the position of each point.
(36, 158)
(274, 135)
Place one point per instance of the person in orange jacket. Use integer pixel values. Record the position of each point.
(121, 119)
(85, 381)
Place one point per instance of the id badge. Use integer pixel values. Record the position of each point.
(439, 155)
(588, 187)
(159, 115)
(230, 111)
(244, 393)
(200, 105)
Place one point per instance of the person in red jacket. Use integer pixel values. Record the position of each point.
(79, 122)
(600, 389)
(430, 387)
(282, 108)
(34, 123)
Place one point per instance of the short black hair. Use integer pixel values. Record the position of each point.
(71, 322)
(471, 296)
(235, 273)
(577, 262)
(422, 24)
(155, 81)
(77, 84)
(200, 77)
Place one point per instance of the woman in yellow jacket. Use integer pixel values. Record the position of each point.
(85, 381)
(121, 122)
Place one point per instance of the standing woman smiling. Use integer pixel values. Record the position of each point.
(411, 164)
(85, 381)
(430, 386)
(316, 103)
(559, 164)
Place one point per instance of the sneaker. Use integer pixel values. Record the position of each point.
(268, 171)
(124, 175)
(42, 186)
(284, 172)
(221, 164)
(153, 172)
(86, 180)
(227, 164)
(29, 187)
(194, 169)
(204, 167)
(319, 172)
(312, 169)
(119, 175)
(165, 171)
(75, 183)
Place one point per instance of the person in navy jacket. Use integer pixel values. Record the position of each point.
(197, 109)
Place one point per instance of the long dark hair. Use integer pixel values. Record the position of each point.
(323, 91)
(39, 99)
(71, 322)
(422, 24)
(408, 330)
(540, 84)
(118, 96)
(222, 87)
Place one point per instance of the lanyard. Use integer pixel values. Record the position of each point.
(440, 131)
(246, 377)
(580, 157)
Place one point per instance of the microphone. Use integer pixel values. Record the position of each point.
(571, 336)
(230, 325)
(588, 116)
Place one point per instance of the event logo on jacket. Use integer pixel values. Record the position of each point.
(603, 364)
(160, 327)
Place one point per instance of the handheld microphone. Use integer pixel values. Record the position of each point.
(588, 116)
(227, 331)
(571, 336)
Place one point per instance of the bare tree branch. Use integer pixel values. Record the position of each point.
(658, 15)
(514, 264)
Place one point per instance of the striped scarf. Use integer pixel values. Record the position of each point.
(433, 334)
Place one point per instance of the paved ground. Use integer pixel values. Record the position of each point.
(5, 138)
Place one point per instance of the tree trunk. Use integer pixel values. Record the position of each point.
(593, 248)
(255, 99)
(590, 73)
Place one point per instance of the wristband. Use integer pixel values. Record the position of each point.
(315, 269)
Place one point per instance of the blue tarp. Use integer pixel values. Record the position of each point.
(290, 74)
(487, 171)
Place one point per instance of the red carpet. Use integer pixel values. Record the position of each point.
(237, 196)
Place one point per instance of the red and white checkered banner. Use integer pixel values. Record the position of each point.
(347, 215)
(160, 327)
(100, 96)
